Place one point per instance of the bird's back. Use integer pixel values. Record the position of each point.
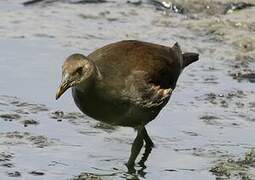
(119, 60)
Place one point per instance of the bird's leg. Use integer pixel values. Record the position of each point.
(147, 139)
(148, 147)
(136, 148)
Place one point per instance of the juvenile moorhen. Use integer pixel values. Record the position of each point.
(125, 83)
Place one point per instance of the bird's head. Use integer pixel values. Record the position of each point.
(75, 70)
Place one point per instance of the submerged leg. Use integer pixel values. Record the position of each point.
(136, 148)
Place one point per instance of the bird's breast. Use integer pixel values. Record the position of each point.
(110, 110)
(102, 109)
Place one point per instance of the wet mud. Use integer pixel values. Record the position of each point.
(206, 130)
(243, 168)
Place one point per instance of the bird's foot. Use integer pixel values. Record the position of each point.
(131, 167)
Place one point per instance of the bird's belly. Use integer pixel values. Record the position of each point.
(109, 111)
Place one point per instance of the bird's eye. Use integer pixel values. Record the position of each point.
(79, 70)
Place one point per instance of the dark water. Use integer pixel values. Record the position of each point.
(210, 116)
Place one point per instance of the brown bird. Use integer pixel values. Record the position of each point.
(125, 83)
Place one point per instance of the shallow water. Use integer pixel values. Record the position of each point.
(210, 116)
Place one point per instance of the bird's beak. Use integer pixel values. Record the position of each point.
(65, 84)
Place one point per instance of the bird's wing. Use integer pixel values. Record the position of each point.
(139, 91)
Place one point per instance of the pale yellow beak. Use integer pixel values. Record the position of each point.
(62, 88)
(64, 85)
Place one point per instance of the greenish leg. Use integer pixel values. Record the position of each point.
(142, 135)
(136, 148)
(148, 147)
(147, 139)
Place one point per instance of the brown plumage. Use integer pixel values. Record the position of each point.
(125, 83)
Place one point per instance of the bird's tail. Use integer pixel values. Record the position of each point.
(189, 58)
(185, 58)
